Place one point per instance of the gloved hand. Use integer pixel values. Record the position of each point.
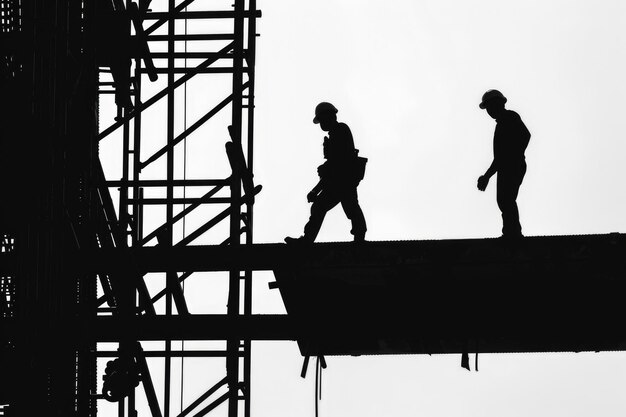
(322, 170)
(482, 183)
(311, 196)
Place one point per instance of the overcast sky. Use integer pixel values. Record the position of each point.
(407, 77)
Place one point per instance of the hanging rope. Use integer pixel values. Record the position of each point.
(320, 364)
(318, 385)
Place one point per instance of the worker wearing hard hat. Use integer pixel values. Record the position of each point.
(339, 177)
(509, 143)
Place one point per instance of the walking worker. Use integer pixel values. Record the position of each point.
(339, 177)
(509, 143)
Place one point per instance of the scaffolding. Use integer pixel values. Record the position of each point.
(62, 63)
(178, 51)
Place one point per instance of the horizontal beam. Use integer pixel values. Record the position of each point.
(151, 328)
(194, 327)
(478, 254)
(191, 55)
(475, 254)
(218, 14)
(351, 334)
(166, 183)
(181, 200)
(192, 258)
(192, 37)
(172, 354)
(180, 70)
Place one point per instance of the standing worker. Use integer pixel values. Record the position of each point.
(509, 143)
(339, 177)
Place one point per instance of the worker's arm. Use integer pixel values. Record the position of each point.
(483, 180)
(312, 195)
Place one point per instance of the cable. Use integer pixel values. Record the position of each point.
(318, 383)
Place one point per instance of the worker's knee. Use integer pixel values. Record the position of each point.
(318, 209)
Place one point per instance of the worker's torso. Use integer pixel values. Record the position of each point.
(340, 156)
(510, 140)
(339, 147)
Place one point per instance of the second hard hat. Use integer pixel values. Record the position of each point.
(491, 95)
(323, 108)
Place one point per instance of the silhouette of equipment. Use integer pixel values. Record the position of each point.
(358, 169)
(239, 167)
(120, 377)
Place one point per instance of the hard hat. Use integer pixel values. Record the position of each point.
(490, 95)
(323, 108)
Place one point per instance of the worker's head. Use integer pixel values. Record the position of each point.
(493, 101)
(325, 115)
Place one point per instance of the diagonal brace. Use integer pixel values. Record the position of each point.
(161, 22)
(190, 129)
(203, 397)
(182, 80)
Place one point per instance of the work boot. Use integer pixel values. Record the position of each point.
(511, 237)
(302, 240)
(359, 238)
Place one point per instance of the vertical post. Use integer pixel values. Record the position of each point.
(127, 300)
(169, 275)
(232, 359)
(137, 193)
(251, 57)
(123, 208)
(131, 404)
(120, 408)
(136, 237)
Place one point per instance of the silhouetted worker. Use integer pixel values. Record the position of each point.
(509, 143)
(338, 178)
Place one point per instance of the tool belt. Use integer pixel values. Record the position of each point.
(352, 170)
(359, 166)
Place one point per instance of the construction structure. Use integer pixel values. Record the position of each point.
(62, 62)
(83, 263)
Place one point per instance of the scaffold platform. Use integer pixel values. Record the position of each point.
(538, 294)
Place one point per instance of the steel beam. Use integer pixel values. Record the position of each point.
(165, 183)
(196, 70)
(605, 250)
(193, 37)
(192, 327)
(218, 14)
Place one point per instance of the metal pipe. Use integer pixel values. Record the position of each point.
(232, 344)
(165, 183)
(214, 14)
(180, 201)
(193, 37)
(169, 208)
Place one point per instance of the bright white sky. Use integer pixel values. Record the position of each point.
(407, 77)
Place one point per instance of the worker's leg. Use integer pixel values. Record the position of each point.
(120, 70)
(322, 204)
(350, 204)
(509, 182)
